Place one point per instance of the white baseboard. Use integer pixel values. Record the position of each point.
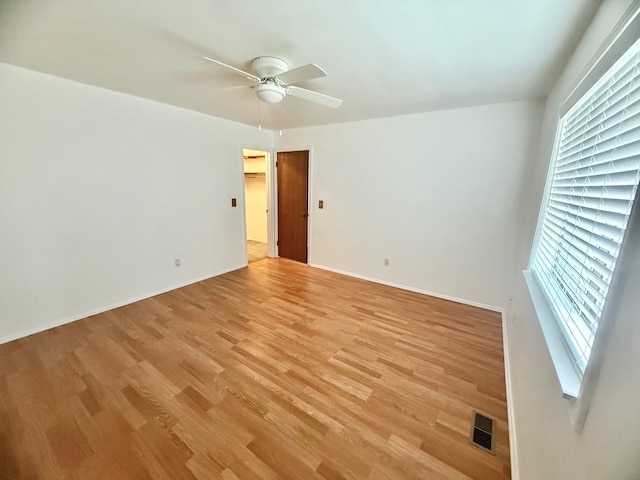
(513, 444)
(410, 289)
(74, 318)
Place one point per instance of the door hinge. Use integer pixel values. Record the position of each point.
(277, 243)
(276, 164)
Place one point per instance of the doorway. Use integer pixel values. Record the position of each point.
(256, 193)
(293, 204)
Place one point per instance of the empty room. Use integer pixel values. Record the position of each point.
(320, 240)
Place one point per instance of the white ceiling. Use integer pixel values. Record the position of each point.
(383, 57)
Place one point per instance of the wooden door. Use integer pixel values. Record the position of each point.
(293, 204)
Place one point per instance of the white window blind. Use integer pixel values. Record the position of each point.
(593, 184)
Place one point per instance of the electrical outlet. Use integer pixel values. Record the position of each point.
(386, 262)
(177, 262)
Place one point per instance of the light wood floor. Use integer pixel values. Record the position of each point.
(277, 370)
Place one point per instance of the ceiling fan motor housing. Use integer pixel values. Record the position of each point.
(268, 67)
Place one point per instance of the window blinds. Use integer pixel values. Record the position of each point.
(623, 36)
(588, 202)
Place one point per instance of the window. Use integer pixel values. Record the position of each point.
(591, 189)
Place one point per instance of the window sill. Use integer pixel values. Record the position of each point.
(562, 360)
(577, 392)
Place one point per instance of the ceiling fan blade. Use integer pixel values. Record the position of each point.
(316, 97)
(247, 75)
(307, 72)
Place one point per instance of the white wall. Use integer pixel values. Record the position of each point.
(434, 193)
(255, 199)
(609, 446)
(100, 192)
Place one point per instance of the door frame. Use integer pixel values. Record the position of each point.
(310, 197)
(271, 233)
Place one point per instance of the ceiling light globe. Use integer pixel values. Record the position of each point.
(270, 93)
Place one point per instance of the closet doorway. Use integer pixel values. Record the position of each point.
(256, 203)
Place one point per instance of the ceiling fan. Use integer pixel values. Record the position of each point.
(275, 80)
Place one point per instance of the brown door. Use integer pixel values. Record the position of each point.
(293, 198)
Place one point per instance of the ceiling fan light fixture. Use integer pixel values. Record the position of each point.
(270, 93)
(276, 81)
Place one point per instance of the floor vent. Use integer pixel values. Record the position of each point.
(482, 430)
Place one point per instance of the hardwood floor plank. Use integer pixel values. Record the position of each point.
(275, 371)
(69, 443)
